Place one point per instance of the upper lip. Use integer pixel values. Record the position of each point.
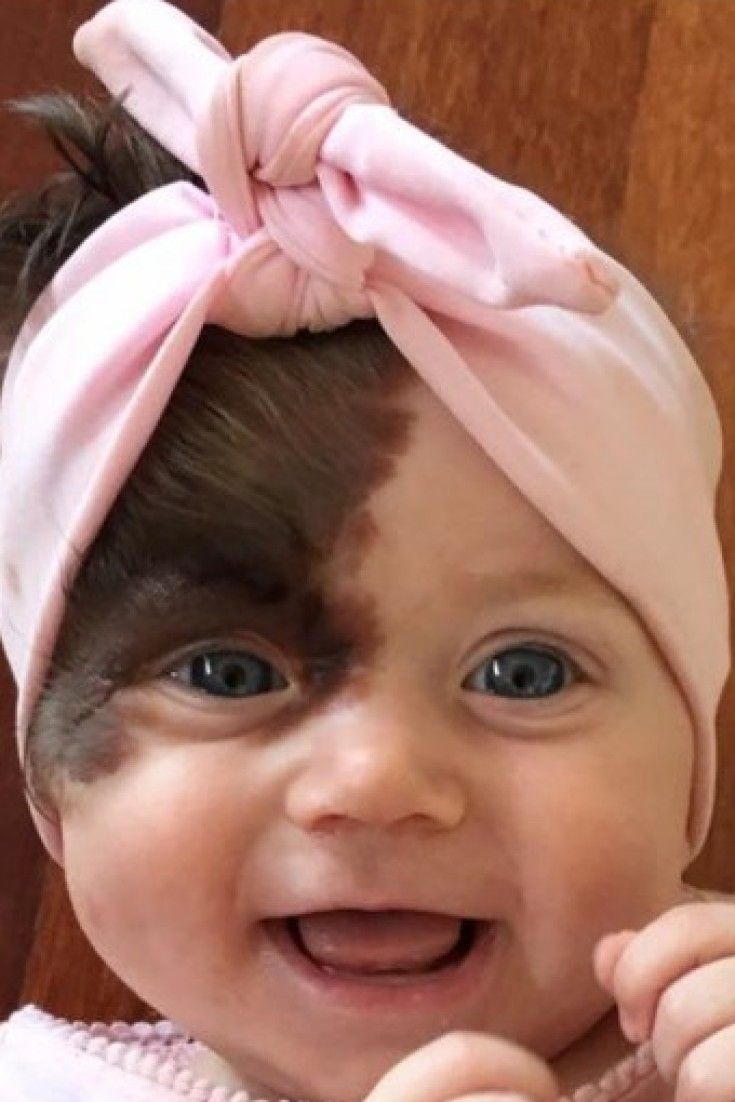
(377, 903)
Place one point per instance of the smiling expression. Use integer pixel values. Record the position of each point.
(385, 752)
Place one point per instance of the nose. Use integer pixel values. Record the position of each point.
(378, 762)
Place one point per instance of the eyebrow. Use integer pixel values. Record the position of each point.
(149, 602)
(506, 586)
(164, 589)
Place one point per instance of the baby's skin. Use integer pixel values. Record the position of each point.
(561, 819)
(674, 985)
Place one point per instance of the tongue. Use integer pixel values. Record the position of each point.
(378, 941)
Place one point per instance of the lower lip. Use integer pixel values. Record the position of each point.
(431, 991)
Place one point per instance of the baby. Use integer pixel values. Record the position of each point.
(293, 390)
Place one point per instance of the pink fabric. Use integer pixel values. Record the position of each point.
(48, 1059)
(325, 205)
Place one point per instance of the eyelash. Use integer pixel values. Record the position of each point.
(536, 648)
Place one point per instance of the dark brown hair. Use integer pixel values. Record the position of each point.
(264, 452)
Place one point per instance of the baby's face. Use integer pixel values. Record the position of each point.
(427, 779)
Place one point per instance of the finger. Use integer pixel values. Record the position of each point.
(606, 954)
(695, 1007)
(610, 947)
(461, 1063)
(708, 1072)
(674, 943)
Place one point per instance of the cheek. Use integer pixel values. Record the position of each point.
(598, 825)
(622, 783)
(159, 846)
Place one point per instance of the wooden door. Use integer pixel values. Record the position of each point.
(618, 113)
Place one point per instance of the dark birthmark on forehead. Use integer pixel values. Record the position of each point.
(329, 637)
(203, 541)
(177, 602)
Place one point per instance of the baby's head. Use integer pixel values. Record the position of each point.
(454, 711)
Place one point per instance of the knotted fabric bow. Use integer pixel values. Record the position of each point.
(324, 205)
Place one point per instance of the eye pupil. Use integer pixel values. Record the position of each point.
(232, 677)
(523, 678)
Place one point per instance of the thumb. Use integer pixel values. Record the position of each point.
(607, 953)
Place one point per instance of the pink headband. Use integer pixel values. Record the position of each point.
(324, 205)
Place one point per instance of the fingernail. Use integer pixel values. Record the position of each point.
(504, 1096)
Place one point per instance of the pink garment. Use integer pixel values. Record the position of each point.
(47, 1059)
(324, 205)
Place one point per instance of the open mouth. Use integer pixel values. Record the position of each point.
(423, 963)
(394, 964)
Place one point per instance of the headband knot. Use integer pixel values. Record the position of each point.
(258, 142)
(265, 123)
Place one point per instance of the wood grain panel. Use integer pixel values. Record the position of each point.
(620, 114)
(36, 54)
(677, 228)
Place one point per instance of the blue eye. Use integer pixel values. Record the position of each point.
(524, 672)
(229, 673)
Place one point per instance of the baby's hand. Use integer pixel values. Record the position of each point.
(674, 982)
(460, 1064)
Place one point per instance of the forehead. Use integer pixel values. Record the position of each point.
(449, 520)
(442, 537)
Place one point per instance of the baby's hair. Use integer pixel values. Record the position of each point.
(265, 450)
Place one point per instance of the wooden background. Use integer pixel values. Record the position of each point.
(620, 112)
